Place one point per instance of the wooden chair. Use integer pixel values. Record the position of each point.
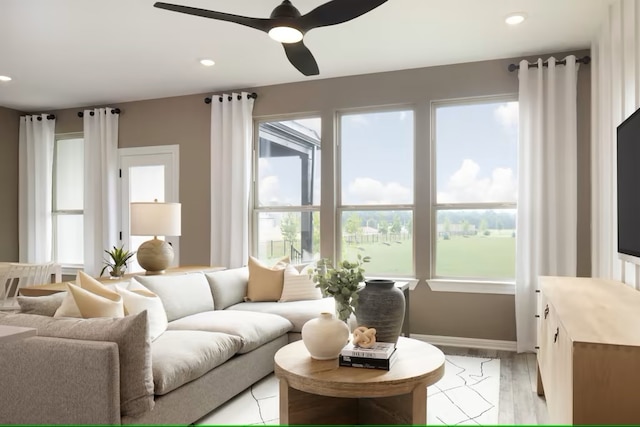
(21, 275)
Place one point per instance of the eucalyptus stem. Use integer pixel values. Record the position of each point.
(341, 283)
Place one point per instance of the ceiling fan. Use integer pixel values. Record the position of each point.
(288, 26)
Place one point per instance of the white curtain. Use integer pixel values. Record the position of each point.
(547, 193)
(100, 187)
(36, 139)
(231, 142)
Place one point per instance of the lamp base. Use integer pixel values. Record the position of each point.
(155, 256)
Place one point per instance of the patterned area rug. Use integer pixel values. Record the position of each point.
(467, 394)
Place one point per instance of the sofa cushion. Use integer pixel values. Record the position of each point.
(299, 285)
(297, 312)
(129, 333)
(228, 286)
(254, 329)
(44, 305)
(181, 356)
(181, 294)
(265, 283)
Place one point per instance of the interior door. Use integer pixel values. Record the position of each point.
(147, 174)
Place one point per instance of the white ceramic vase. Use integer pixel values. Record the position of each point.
(325, 336)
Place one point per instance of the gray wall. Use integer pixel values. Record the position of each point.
(185, 121)
(9, 128)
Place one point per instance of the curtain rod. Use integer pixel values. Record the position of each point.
(113, 111)
(584, 60)
(39, 118)
(253, 95)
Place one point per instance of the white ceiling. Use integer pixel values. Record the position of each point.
(72, 53)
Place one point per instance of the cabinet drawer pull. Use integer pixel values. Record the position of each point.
(546, 311)
(555, 337)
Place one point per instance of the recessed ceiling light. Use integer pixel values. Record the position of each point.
(5, 78)
(208, 62)
(515, 18)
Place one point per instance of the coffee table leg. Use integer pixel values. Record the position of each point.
(419, 406)
(284, 402)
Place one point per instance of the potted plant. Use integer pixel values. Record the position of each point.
(341, 282)
(117, 261)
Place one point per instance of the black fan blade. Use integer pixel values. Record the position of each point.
(257, 23)
(336, 12)
(301, 58)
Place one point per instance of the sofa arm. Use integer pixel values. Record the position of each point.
(59, 381)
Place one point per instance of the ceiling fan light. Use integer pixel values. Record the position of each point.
(285, 34)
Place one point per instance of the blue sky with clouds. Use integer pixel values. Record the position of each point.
(476, 155)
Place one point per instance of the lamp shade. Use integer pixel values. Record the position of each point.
(155, 219)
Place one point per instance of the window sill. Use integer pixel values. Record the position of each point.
(472, 286)
(412, 281)
(71, 269)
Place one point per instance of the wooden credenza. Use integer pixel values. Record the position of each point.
(589, 350)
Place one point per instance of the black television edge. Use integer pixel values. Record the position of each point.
(628, 184)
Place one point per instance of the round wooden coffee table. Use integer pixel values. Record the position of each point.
(321, 392)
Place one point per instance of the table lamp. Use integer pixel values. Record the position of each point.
(155, 219)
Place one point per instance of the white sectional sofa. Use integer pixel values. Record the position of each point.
(108, 371)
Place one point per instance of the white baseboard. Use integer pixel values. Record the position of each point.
(467, 342)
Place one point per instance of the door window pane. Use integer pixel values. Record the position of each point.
(146, 184)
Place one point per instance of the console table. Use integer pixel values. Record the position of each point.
(321, 392)
(589, 350)
(52, 288)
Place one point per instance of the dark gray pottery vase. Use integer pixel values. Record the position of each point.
(381, 306)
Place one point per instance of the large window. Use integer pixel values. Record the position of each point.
(376, 191)
(286, 218)
(476, 181)
(68, 200)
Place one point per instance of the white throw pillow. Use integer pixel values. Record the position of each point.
(137, 298)
(69, 307)
(298, 285)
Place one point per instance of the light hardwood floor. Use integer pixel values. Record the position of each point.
(519, 402)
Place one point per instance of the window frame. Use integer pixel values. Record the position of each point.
(340, 209)
(255, 209)
(67, 268)
(466, 284)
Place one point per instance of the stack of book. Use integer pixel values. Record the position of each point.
(381, 356)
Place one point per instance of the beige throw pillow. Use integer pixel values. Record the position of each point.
(265, 283)
(95, 305)
(69, 307)
(298, 285)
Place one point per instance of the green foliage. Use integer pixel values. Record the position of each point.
(354, 224)
(341, 283)
(290, 227)
(117, 259)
